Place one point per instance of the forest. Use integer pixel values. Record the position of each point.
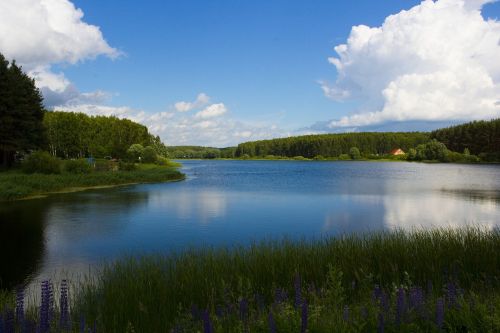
(76, 135)
(481, 138)
(332, 145)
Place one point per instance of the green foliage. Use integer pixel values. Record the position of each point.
(41, 162)
(21, 112)
(344, 157)
(200, 152)
(135, 151)
(332, 145)
(76, 135)
(354, 153)
(149, 155)
(15, 185)
(479, 137)
(80, 166)
(126, 166)
(167, 286)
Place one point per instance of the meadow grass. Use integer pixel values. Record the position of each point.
(17, 185)
(153, 293)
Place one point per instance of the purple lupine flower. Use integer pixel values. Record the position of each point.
(272, 323)
(345, 314)
(377, 291)
(44, 324)
(63, 304)
(219, 311)
(380, 323)
(20, 306)
(82, 324)
(429, 288)
(384, 302)
(298, 291)
(400, 305)
(207, 323)
(243, 309)
(304, 316)
(451, 295)
(440, 312)
(417, 300)
(9, 323)
(280, 296)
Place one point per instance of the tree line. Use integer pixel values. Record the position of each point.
(333, 145)
(77, 135)
(481, 138)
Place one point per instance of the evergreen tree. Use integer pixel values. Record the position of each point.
(21, 112)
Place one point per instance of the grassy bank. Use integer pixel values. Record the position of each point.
(425, 281)
(17, 185)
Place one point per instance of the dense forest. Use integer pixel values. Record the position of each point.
(200, 152)
(481, 138)
(332, 145)
(21, 112)
(76, 135)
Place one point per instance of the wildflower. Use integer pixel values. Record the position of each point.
(195, 312)
(380, 323)
(82, 324)
(304, 316)
(298, 291)
(243, 309)
(9, 321)
(400, 305)
(63, 304)
(272, 323)
(440, 312)
(207, 323)
(45, 305)
(20, 306)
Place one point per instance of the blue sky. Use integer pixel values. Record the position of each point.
(265, 65)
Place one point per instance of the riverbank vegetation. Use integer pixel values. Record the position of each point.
(15, 184)
(421, 281)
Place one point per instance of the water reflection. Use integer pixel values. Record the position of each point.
(228, 202)
(22, 245)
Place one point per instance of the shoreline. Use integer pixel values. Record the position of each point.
(17, 186)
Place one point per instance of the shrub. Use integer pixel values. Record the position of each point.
(354, 153)
(41, 162)
(149, 155)
(125, 166)
(103, 165)
(135, 151)
(299, 158)
(245, 156)
(344, 157)
(80, 166)
(319, 157)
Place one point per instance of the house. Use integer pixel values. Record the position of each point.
(397, 151)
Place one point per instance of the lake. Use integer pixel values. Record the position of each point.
(236, 202)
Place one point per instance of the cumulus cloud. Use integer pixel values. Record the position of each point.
(201, 100)
(41, 33)
(437, 61)
(176, 128)
(212, 111)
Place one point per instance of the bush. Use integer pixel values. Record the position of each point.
(319, 158)
(149, 155)
(124, 166)
(344, 157)
(41, 162)
(354, 153)
(103, 165)
(80, 166)
(135, 151)
(299, 158)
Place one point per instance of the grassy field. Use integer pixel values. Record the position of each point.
(17, 185)
(424, 281)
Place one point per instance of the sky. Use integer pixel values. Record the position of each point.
(217, 73)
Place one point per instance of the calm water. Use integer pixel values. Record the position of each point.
(228, 202)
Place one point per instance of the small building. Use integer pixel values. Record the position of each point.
(397, 151)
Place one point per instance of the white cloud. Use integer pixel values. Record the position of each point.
(201, 100)
(41, 33)
(437, 61)
(176, 128)
(212, 111)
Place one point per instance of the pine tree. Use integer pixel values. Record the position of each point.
(21, 112)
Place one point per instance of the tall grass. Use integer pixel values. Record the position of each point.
(151, 293)
(17, 185)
